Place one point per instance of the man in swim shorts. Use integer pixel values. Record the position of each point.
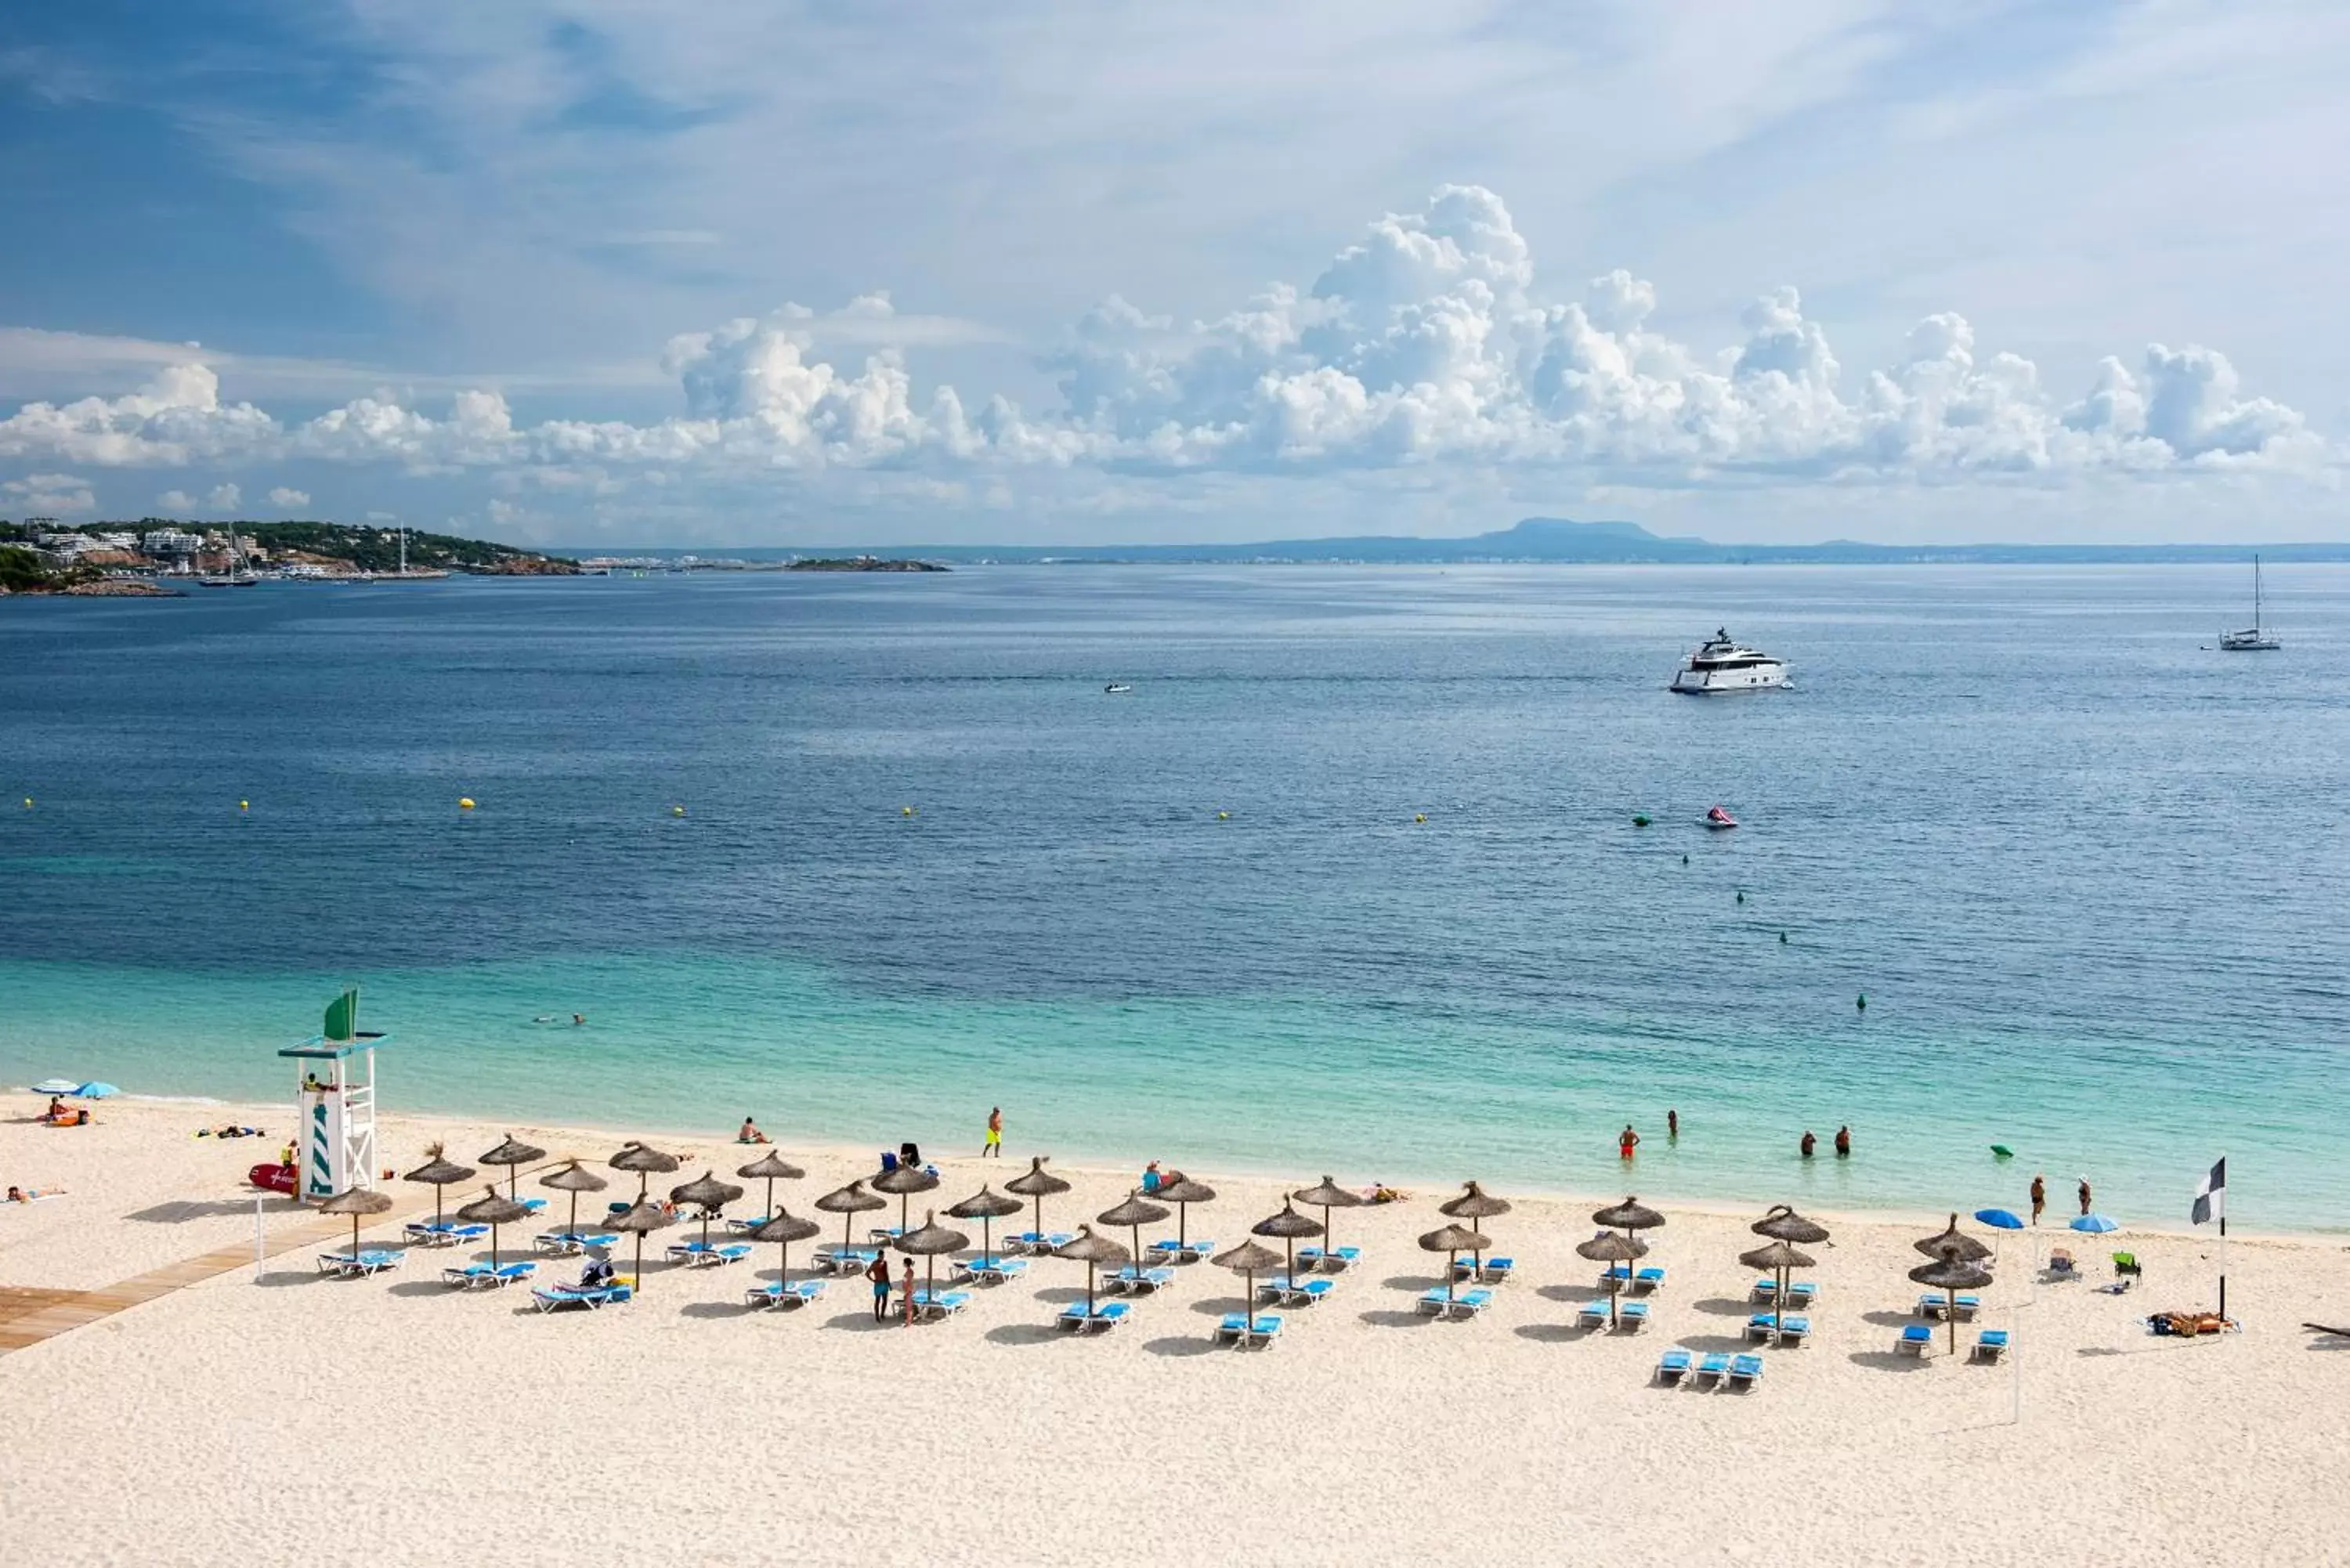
(878, 1273)
(1627, 1141)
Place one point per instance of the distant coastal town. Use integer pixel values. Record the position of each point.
(161, 556)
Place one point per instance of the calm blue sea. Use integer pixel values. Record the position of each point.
(2089, 875)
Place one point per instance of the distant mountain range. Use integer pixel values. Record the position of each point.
(1538, 539)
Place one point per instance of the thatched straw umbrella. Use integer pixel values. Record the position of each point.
(645, 1161)
(1287, 1226)
(986, 1206)
(494, 1210)
(847, 1201)
(770, 1168)
(513, 1154)
(902, 1183)
(1783, 1224)
(354, 1202)
(1953, 1239)
(1093, 1251)
(573, 1179)
(1950, 1273)
(926, 1241)
(707, 1193)
(642, 1216)
(1249, 1259)
(782, 1230)
(1133, 1214)
(1037, 1184)
(1453, 1241)
(441, 1173)
(1474, 1203)
(1628, 1217)
(1325, 1198)
(1183, 1193)
(1781, 1259)
(1611, 1249)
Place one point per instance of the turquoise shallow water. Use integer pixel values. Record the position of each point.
(2079, 866)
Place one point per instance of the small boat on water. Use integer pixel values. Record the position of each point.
(1116, 689)
(1718, 819)
(1722, 666)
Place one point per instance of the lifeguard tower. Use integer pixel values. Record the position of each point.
(336, 1105)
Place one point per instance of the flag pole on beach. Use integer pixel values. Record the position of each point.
(2212, 1204)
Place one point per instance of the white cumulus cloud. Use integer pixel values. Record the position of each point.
(286, 498)
(49, 495)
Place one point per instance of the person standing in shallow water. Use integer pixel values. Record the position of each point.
(2039, 1197)
(2084, 1194)
(1672, 1125)
(1809, 1143)
(1627, 1141)
(994, 1146)
(1843, 1143)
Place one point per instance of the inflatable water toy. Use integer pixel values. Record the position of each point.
(2002, 1151)
(1718, 819)
(464, 803)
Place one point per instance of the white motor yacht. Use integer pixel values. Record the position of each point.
(1723, 666)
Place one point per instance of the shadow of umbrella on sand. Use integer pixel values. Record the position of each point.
(1093, 1251)
(494, 1209)
(847, 1201)
(357, 1201)
(1612, 1248)
(513, 1154)
(573, 1179)
(1037, 1185)
(642, 1217)
(441, 1173)
(986, 1206)
(1950, 1273)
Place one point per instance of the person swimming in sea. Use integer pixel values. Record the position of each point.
(1809, 1143)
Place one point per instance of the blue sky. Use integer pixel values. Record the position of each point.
(602, 274)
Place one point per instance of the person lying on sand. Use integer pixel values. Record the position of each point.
(1383, 1193)
(234, 1129)
(28, 1194)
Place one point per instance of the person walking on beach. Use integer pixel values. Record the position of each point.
(994, 1146)
(1627, 1141)
(1809, 1143)
(1843, 1143)
(1672, 1126)
(2084, 1194)
(2039, 1196)
(878, 1273)
(907, 1292)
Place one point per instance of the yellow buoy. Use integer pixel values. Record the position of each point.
(677, 811)
(28, 803)
(1419, 817)
(464, 803)
(244, 805)
(905, 811)
(1223, 816)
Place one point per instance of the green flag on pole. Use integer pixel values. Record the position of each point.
(343, 1017)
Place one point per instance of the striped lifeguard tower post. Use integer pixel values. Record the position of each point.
(335, 1104)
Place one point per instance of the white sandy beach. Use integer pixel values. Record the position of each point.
(395, 1421)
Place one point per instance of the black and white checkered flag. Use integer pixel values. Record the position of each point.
(2211, 1195)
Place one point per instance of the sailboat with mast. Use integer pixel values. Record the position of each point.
(2253, 638)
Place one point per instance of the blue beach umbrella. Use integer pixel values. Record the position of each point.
(96, 1091)
(2096, 1224)
(1998, 1220)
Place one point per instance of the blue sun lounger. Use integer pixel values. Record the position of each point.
(1296, 1291)
(1745, 1371)
(1933, 1304)
(1631, 1317)
(475, 1276)
(1040, 1244)
(1338, 1260)
(994, 1270)
(358, 1265)
(572, 1295)
(1243, 1329)
(1105, 1315)
(1467, 1304)
(794, 1293)
(1495, 1272)
(930, 1308)
(1139, 1281)
(1673, 1365)
(1785, 1328)
(709, 1255)
(1189, 1250)
(1799, 1292)
(564, 1243)
(1990, 1344)
(1916, 1339)
(1638, 1281)
(441, 1233)
(843, 1260)
(1714, 1367)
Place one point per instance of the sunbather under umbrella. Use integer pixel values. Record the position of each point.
(494, 1209)
(441, 1173)
(1453, 1241)
(903, 1182)
(847, 1201)
(1611, 1249)
(1183, 1193)
(1474, 1203)
(926, 1241)
(573, 1179)
(1286, 1227)
(1325, 1198)
(1037, 1184)
(1132, 1215)
(513, 1154)
(1781, 1259)
(642, 1216)
(782, 1230)
(1248, 1260)
(356, 1201)
(707, 1193)
(986, 1206)
(646, 1161)
(770, 1168)
(1952, 1273)
(1093, 1251)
